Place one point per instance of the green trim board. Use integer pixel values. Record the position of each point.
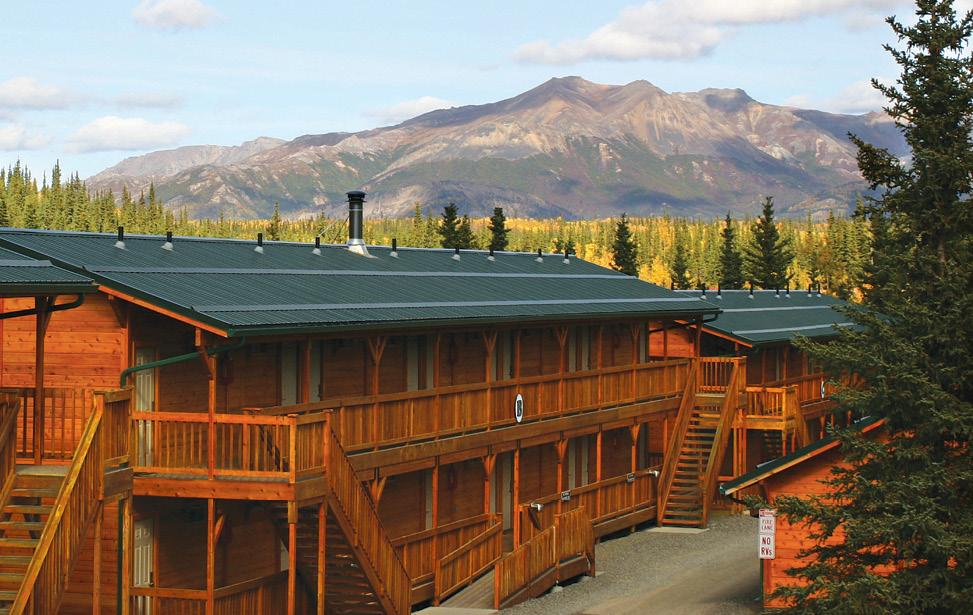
(288, 287)
(794, 458)
(769, 317)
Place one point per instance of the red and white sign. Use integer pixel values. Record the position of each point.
(768, 531)
(767, 546)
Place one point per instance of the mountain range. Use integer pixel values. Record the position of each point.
(568, 147)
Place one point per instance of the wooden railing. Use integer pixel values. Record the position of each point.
(9, 407)
(356, 513)
(66, 411)
(535, 566)
(676, 440)
(284, 447)
(470, 560)
(263, 596)
(715, 373)
(400, 418)
(77, 502)
(728, 415)
(603, 501)
(420, 550)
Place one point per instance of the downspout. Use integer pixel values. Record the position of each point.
(179, 359)
(54, 308)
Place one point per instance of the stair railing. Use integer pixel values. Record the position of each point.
(9, 408)
(76, 504)
(676, 441)
(720, 440)
(356, 513)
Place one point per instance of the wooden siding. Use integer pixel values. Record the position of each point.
(85, 346)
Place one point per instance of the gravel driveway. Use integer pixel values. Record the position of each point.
(715, 572)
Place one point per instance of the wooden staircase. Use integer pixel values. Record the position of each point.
(695, 452)
(685, 503)
(24, 510)
(363, 574)
(347, 588)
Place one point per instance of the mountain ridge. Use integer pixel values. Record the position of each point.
(568, 147)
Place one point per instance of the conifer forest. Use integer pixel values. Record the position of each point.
(669, 250)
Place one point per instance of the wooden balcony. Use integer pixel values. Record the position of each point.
(229, 455)
(377, 422)
(264, 596)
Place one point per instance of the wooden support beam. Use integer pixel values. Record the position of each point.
(634, 430)
(322, 551)
(41, 305)
(291, 559)
(375, 487)
(210, 555)
(515, 504)
(489, 462)
(126, 555)
(96, 563)
(561, 446)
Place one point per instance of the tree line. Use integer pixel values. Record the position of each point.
(668, 250)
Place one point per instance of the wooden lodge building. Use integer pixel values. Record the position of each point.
(800, 473)
(229, 426)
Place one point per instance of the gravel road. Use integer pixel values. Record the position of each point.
(715, 572)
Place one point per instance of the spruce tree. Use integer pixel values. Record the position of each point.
(273, 231)
(624, 251)
(465, 239)
(498, 230)
(899, 536)
(769, 256)
(731, 261)
(448, 228)
(679, 264)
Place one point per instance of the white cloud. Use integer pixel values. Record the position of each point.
(174, 14)
(15, 137)
(119, 133)
(151, 100)
(28, 93)
(859, 97)
(685, 29)
(409, 109)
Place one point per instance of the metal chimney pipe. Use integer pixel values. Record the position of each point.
(356, 207)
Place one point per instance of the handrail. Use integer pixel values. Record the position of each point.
(8, 440)
(676, 441)
(356, 511)
(66, 409)
(720, 439)
(465, 554)
(63, 536)
(378, 421)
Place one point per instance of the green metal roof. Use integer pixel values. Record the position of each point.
(793, 458)
(766, 317)
(22, 276)
(229, 285)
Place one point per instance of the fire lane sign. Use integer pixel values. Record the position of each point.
(768, 533)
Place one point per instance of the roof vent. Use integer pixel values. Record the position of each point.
(719, 291)
(120, 244)
(356, 209)
(540, 256)
(260, 244)
(751, 290)
(168, 244)
(491, 257)
(777, 295)
(395, 249)
(317, 246)
(567, 258)
(456, 255)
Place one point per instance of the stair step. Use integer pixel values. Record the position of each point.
(22, 492)
(8, 595)
(14, 560)
(22, 526)
(22, 543)
(29, 509)
(11, 577)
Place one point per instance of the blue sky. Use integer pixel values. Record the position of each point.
(91, 83)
